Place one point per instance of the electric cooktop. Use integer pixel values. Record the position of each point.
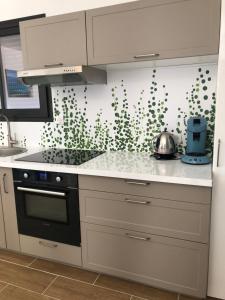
(62, 156)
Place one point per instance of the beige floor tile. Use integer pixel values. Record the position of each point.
(136, 289)
(24, 277)
(2, 285)
(68, 289)
(14, 293)
(15, 257)
(64, 270)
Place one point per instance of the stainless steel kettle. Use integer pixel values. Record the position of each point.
(165, 144)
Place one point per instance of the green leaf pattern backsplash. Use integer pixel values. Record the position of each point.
(130, 125)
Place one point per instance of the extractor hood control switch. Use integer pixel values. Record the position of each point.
(25, 175)
(58, 179)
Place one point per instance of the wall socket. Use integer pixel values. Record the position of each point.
(59, 120)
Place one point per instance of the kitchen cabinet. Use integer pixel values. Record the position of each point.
(151, 232)
(2, 227)
(150, 29)
(167, 263)
(9, 209)
(54, 41)
(216, 285)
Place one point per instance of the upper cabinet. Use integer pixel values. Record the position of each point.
(54, 41)
(149, 29)
(139, 30)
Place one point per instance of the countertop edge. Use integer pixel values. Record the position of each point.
(112, 174)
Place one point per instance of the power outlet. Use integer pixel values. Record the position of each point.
(59, 120)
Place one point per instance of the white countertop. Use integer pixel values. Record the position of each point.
(136, 166)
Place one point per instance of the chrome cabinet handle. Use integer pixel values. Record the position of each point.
(4, 183)
(137, 202)
(53, 65)
(147, 55)
(23, 189)
(137, 182)
(218, 153)
(138, 237)
(49, 245)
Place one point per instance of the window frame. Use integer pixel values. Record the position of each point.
(45, 112)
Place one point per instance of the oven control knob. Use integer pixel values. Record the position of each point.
(58, 179)
(25, 175)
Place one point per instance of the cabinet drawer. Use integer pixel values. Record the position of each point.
(149, 29)
(163, 217)
(179, 192)
(51, 250)
(172, 264)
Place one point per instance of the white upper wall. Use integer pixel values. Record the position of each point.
(12, 9)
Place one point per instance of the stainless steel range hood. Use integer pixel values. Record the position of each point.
(60, 76)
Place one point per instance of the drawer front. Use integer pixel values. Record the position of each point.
(163, 217)
(179, 192)
(176, 265)
(51, 250)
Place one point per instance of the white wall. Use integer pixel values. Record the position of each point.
(11, 9)
(216, 286)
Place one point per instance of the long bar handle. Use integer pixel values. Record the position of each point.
(137, 182)
(137, 202)
(138, 237)
(49, 245)
(147, 55)
(36, 191)
(218, 153)
(53, 65)
(4, 183)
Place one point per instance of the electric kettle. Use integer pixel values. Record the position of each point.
(165, 146)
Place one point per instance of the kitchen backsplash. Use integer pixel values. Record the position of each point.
(128, 112)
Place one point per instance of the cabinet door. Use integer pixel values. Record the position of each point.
(2, 227)
(57, 40)
(172, 264)
(9, 209)
(148, 29)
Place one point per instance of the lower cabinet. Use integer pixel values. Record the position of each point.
(150, 232)
(51, 250)
(2, 227)
(9, 209)
(168, 263)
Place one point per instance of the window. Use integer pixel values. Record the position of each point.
(18, 101)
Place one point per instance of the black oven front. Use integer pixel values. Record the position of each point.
(47, 205)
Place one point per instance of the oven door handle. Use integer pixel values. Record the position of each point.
(43, 192)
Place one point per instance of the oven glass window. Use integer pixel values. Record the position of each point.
(46, 207)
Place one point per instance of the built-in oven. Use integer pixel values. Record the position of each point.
(47, 205)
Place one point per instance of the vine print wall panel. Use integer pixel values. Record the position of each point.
(129, 112)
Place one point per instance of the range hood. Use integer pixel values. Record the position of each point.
(61, 76)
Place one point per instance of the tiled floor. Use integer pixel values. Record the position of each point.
(27, 278)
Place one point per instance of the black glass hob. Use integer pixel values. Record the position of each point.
(62, 156)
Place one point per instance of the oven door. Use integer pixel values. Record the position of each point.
(48, 213)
